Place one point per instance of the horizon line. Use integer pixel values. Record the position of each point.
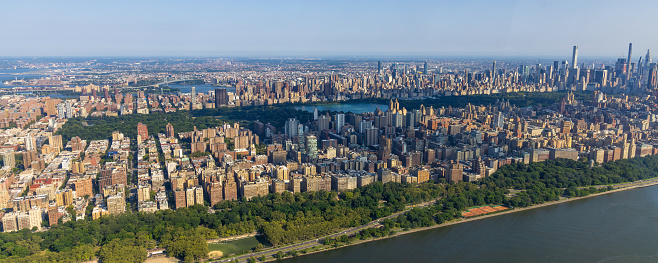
(567, 57)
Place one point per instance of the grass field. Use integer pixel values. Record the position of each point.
(235, 246)
(224, 248)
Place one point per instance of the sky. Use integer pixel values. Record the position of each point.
(448, 28)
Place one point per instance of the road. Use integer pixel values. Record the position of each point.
(312, 243)
(633, 184)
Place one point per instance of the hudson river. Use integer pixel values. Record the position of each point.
(616, 227)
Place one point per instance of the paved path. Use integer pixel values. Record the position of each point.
(271, 253)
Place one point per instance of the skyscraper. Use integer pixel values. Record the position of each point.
(652, 79)
(393, 70)
(107, 94)
(312, 146)
(647, 59)
(291, 127)
(425, 68)
(379, 67)
(574, 57)
(30, 143)
(69, 110)
(339, 121)
(323, 122)
(61, 110)
(51, 107)
(646, 68)
(372, 134)
(221, 97)
(524, 70)
(500, 120)
(628, 67)
(193, 97)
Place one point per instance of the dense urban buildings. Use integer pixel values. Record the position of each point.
(48, 179)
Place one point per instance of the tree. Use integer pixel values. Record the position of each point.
(119, 250)
(71, 210)
(187, 244)
(287, 218)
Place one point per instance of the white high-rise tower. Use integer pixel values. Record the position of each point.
(193, 96)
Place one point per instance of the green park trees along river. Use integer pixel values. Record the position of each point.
(286, 218)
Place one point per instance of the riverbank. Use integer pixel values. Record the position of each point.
(621, 187)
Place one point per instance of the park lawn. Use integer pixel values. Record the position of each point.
(224, 248)
(236, 246)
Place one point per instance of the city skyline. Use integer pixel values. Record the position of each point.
(291, 28)
(255, 131)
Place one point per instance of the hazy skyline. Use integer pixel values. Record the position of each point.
(328, 28)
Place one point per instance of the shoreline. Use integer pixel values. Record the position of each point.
(509, 211)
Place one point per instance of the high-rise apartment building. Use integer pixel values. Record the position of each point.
(339, 121)
(30, 143)
(192, 97)
(291, 127)
(116, 204)
(142, 131)
(455, 172)
(9, 159)
(170, 130)
(51, 107)
(324, 122)
(55, 141)
(221, 98)
(312, 146)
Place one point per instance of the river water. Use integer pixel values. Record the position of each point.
(616, 227)
(11, 74)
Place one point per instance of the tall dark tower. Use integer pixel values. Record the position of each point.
(628, 67)
(395, 70)
(574, 57)
(493, 72)
(647, 59)
(221, 98)
(425, 68)
(652, 80)
(379, 67)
